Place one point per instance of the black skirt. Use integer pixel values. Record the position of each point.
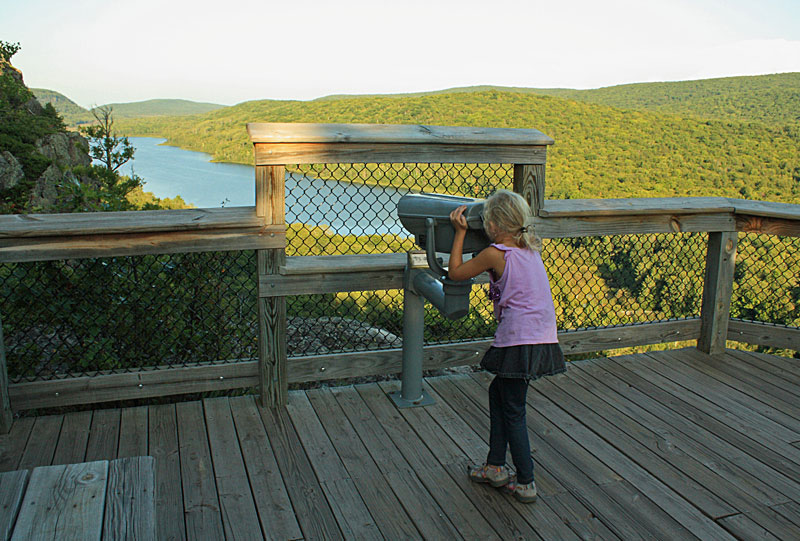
(529, 361)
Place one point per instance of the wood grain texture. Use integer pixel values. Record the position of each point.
(320, 264)
(240, 519)
(134, 385)
(384, 506)
(127, 222)
(6, 417)
(342, 493)
(271, 193)
(162, 436)
(275, 512)
(133, 432)
(104, 435)
(273, 380)
(130, 507)
(764, 334)
(529, 182)
(768, 225)
(276, 285)
(769, 209)
(12, 489)
(318, 153)
(73, 438)
(200, 499)
(651, 205)
(313, 512)
(12, 445)
(41, 444)
(291, 132)
(590, 226)
(20, 249)
(64, 502)
(717, 290)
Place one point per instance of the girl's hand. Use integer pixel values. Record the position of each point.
(458, 220)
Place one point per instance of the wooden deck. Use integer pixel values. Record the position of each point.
(669, 445)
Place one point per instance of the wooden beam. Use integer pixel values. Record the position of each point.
(769, 226)
(302, 153)
(6, 417)
(270, 200)
(22, 249)
(639, 207)
(717, 290)
(787, 211)
(591, 226)
(140, 221)
(529, 181)
(242, 374)
(321, 264)
(589, 340)
(133, 385)
(363, 363)
(275, 285)
(764, 334)
(297, 132)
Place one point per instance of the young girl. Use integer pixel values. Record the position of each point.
(525, 344)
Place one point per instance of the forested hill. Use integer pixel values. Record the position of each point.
(764, 98)
(774, 99)
(162, 107)
(600, 151)
(74, 115)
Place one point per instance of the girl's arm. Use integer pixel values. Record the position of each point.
(482, 262)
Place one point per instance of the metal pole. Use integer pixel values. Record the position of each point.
(413, 338)
(411, 393)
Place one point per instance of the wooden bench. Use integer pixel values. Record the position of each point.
(92, 500)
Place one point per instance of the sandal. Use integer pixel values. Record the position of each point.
(496, 476)
(524, 493)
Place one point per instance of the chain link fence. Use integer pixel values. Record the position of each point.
(766, 287)
(84, 317)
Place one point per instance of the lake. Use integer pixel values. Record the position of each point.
(343, 207)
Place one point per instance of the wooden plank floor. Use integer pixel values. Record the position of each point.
(667, 445)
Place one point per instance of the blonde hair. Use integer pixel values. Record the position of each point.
(508, 212)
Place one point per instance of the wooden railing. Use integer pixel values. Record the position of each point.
(262, 228)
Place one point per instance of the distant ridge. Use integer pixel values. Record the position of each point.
(741, 98)
(162, 107)
(74, 115)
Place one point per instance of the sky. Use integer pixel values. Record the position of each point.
(107, 51)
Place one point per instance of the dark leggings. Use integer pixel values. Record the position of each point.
(508, 426)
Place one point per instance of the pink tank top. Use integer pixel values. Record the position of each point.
(523, 304)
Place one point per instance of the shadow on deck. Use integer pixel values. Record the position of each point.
(667, 445)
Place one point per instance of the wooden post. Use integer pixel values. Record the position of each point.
(6, 418)
(529, 182)
(717, 291)
(270, 202)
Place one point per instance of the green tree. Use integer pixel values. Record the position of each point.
(104, 145)
(8, 49)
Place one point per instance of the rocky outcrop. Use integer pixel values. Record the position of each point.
(65, 149)
(316, 336)
(11, 172)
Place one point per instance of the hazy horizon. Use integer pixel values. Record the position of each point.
(92, 52)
